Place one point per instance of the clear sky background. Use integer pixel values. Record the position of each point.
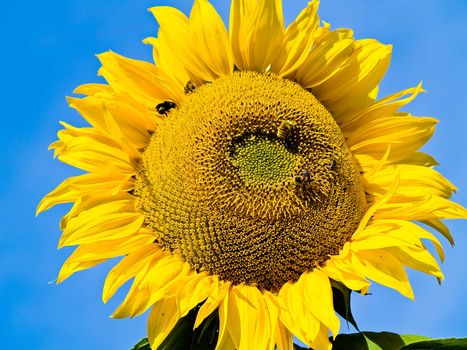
(47, 49)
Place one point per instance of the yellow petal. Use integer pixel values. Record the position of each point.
(256, 33)
(298, 41)
(393, 233)
(91, 200)
(132, 121)
(385, 107)
(369, 174)
(93, 89)
(378, 204)
(88, 255)
(154, 284)
(406, 134)
(111, 220)
(315, 288)
(409, 255)
(439, 226)
(282, 336)
(322, 342)
(224, 340)
(417, 259)
(142, 80)
(427, 208)
(240, 11)
(156, 52)
(132, 118)
(162, 319)
(350, 89)
(74, 188)
(419, 158)
(131, 265)
(402, 239)
(194, 289)
(70, 267)
(211, 38)
(383, 268)
(415, 181)
(340, 270)
(167, 61)
(368, 162)
(225, 343)
(248, 321)
(295, 314)
(326, 59)
(89, 150)
(174, 27)
(219, 292)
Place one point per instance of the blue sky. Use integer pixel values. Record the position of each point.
(47, 49)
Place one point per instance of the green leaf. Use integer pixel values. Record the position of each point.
(392, 341)
(205, 338)
(411, 338)
(341, 299)
(143, 344)
(438, 344)
(374, 341)
(208, 330)
(183, 337)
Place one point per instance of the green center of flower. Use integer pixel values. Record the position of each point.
(250, 179)
(262, 159)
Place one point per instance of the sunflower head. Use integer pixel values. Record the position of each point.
(250, 179)
(243, 172)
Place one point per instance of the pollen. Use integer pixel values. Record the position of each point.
(250, 179)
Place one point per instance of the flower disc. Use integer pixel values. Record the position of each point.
(250, 179)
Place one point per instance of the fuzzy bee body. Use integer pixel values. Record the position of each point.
(303, 179)
(285, 129)
(165, 107)
(303, 183)
(189, 87)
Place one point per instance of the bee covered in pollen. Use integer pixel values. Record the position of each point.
(303, 180)
(190, 87)
(285, 129)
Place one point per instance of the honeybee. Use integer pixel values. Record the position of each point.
(165, 107)
(285, 129)
(303, 180)
(303, 177)
(190, 87)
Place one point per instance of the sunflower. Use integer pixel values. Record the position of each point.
(244, 171)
